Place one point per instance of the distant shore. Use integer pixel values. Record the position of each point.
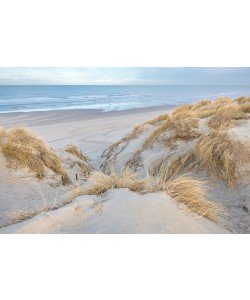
(39, 118)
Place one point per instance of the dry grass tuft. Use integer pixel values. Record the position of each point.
(220, 155)
(159, 119)
(23, 149)
(191, 192)
(202, 109)
(99, 183)
(111, 153)
(182, 164)
(82, 163)
(243, 100)
(180, 129)
(205, 112)
(186, 129)
(154, 136)
(135, 161)
(245, 108)
(85, 168)
(227, 116)
(215, 153)
(182, 115)
(200, 104)
(183, 108)
(73, 149)
(224, 100)
(135, 133)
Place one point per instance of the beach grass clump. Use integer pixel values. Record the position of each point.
(159, 119)
(223, 100)
(246, 108)
(22, 149)
(155, 135)
(183, 130)
(135, 133)
(186, 129)
(180, 129)
(227, 116)
(74, 150)
(202, 109)
(110, 154)
(221, 155)
(183, 108)
(191, 192)
(99, 183)
(179, 165)
(82, 160)
(216, 153)
(243, 100)
(182, 115)
(85, 168)
(200, 104)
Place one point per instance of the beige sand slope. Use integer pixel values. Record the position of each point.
(169, 144)
(118, 211)
(91, 131)
(113, 141)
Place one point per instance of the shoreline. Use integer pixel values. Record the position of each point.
(39, 118)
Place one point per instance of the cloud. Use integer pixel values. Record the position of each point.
(199, 76)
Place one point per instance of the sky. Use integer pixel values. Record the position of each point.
(120, 76)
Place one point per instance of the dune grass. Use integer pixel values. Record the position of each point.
(246, 108)
(243, 100)
(179, 165)
(225, 111)
(135, 133)
(82, 162)
(99, 183)
(22, 149)
(202, 109)
(216, 153)
(179, 129)
(186, 129)
(155, 135)
(191, 192)
(200, 104)
(221, 155)
(227, 116)
(205, 111)
(74, 150)
(159, 119)
(182, 109)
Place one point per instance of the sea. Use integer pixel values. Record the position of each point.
(24, 98)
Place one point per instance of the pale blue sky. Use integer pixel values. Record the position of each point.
(199, 76)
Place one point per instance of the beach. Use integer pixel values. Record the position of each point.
(92, 130)
(141, 141)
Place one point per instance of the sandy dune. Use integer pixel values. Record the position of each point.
(117, 210)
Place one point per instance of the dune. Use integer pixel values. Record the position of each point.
(184, 170)
(118, 211)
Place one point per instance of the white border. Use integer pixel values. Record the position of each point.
(124, 267)
(111, 33)
(124, 33)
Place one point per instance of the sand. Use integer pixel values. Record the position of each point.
(117, 211)
(91, 130)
